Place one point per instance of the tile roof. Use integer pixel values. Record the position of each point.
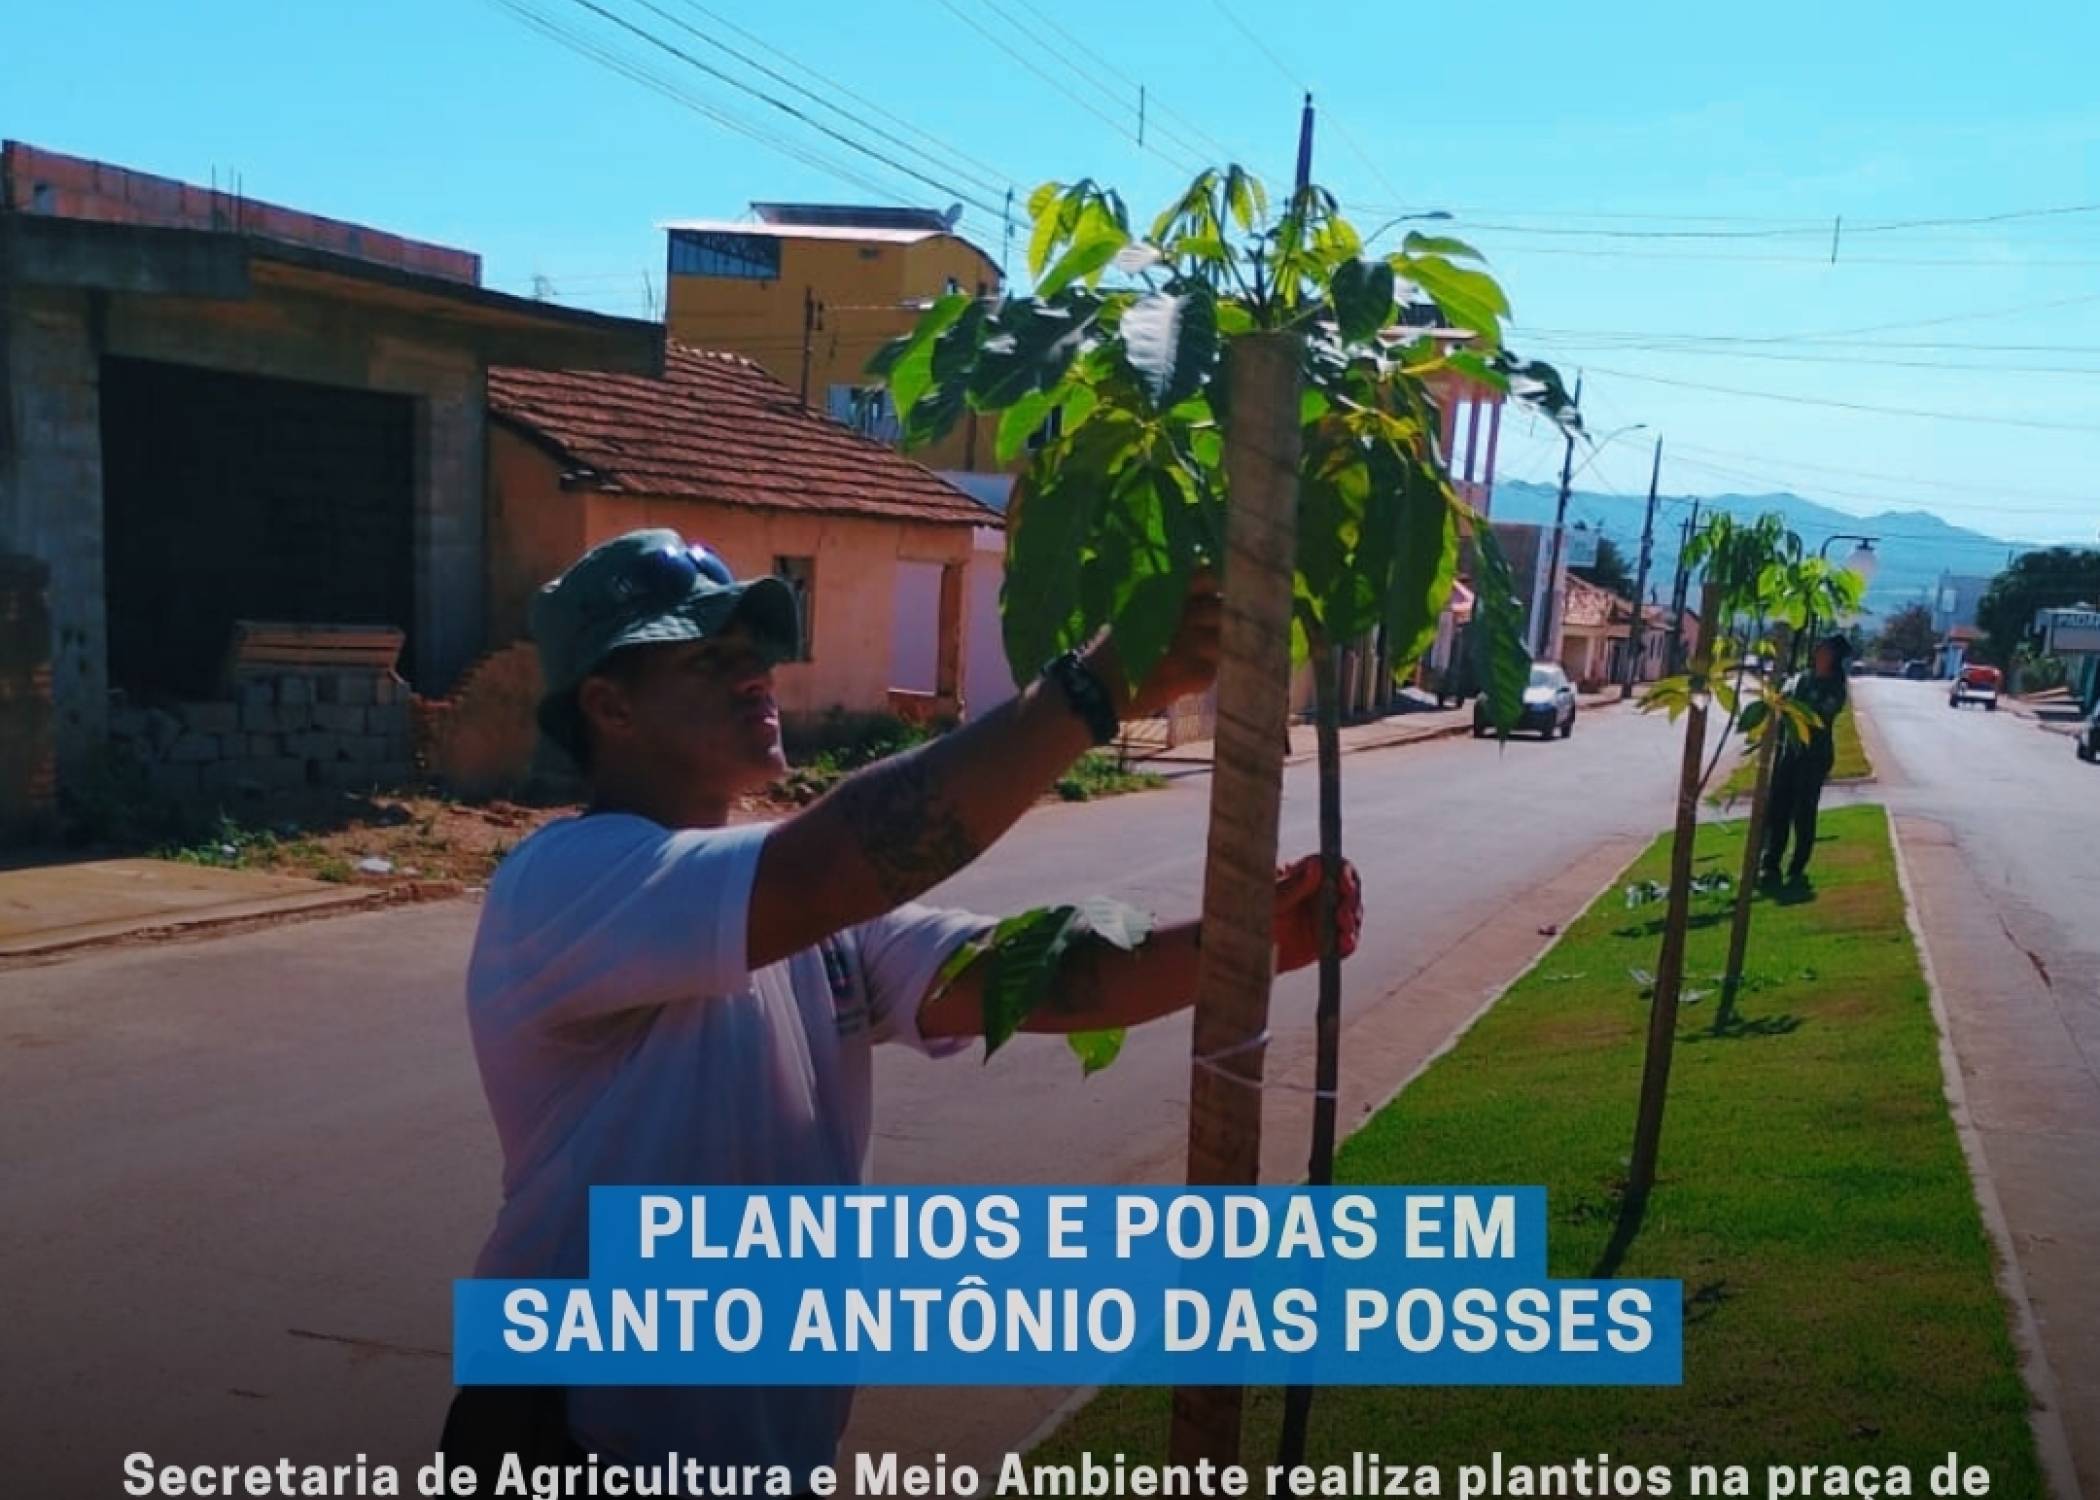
(1592, 606)
(717, 427)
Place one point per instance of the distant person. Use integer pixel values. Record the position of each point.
(1797, 780)
(659, 995)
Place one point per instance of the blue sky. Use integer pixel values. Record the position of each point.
(1724, 139)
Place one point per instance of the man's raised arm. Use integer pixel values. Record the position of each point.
(896, 829)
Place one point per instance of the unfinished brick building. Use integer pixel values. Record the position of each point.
(214, 410)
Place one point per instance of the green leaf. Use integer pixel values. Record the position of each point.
(1504, 661)
(1425, 566)
(910, 371)
(1095, 1049)
(1135, 580)
(1171, 343)
(947, 366)
(1469, 299)
(1245, 198)
(1091, 251)
(1028, 347)
(1020, 421)
(1025, 951)
(1047, 529)
(932, 416)
(1334, 483)
(1363, 297)
(1040, 200)
(1120, 925)
(1439, 244)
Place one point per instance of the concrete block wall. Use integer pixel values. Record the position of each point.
(74, 187)
(28, 761)
(51, 493)
(279, 732)
(484, 740)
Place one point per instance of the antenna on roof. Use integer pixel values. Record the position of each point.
(953, 216)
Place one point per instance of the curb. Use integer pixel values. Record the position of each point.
(2045, 1405)
(412, 893)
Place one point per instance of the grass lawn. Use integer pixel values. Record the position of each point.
(1850, 764)
(1840, 1307)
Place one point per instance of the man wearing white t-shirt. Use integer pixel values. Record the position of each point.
(657, 996)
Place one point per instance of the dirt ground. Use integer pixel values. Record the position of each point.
(422, 838)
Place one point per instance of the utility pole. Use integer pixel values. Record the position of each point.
(1640, 581)
(1549, 638)
(1677, 591)
(1305, 143)
(809, 332)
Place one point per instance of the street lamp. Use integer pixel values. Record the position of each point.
(1431, 216)
(1863, 560)
(1604, 442)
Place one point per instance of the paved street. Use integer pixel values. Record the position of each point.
(2001, 833)
(241, 1171)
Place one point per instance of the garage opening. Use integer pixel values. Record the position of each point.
(233, 497)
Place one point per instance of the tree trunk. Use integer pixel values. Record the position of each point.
(1746, 881)
(1319, 1171)
(1239, 877)
(1669, 968)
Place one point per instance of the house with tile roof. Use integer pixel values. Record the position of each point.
(879, 547)
(1595, 626)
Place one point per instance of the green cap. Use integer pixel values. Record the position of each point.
(645, 588)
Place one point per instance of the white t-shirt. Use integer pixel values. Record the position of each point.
(622, 1038)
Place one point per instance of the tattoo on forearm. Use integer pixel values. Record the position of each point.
(1080, 988)
(910, 834)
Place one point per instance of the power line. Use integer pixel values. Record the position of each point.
(1807, 227)
(1875, 498)
(2089, 428)
(1298, 81)
(1884, 475)
(1954, 366)
(1079, 44)
(635, 72)
(1838, 334)
(1056, 83)
(997, 186)
(1928, 262)
(642, 33)
(1115, 100)
(832, 83)
(1630, 340)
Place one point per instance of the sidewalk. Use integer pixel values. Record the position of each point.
(2027, 1101)
(2053, 711)
(1417, 721)
(48, 907)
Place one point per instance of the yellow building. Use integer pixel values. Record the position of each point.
(811, 291)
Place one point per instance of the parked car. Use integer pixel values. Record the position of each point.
(1977, 683)
(1549, 705)
(1917, 670)
(2089, 737)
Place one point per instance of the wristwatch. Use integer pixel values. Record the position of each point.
(1087, 695)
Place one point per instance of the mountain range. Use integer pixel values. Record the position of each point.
(1914, 546)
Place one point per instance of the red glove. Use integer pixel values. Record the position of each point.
(1297, 930)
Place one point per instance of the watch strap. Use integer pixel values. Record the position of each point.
(1087, 695)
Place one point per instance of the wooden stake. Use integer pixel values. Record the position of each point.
(1239, 878)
